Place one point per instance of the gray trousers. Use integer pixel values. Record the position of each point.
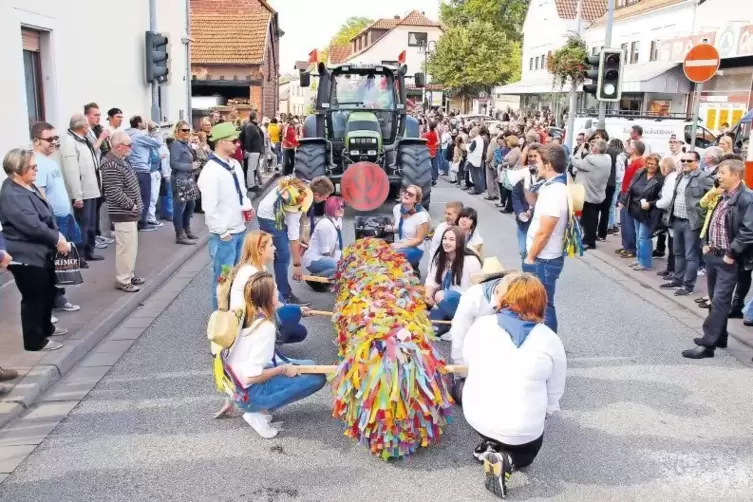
(492, 187)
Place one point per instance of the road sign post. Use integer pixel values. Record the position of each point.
(700, 65)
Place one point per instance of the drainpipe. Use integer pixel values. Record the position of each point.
(189, 114)
(155, 85)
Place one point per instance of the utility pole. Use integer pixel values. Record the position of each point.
(607, 43)
(569, 133)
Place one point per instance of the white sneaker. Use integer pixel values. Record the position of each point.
(52, 345)
(447, 337)
(258, 422)
(54, 320)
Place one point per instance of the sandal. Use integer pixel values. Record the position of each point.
(701, 299)
(128, 288)
(705, 305)
(137, 281)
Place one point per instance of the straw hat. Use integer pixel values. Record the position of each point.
(491, 269)
(576, 196)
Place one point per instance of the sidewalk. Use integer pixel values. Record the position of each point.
(604, 254)
(102, 309)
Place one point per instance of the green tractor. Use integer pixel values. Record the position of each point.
(360, 116)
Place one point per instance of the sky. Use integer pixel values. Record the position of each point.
(309, 25)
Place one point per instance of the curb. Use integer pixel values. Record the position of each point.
(57, 364)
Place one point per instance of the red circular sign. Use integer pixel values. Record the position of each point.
(365, 186)
(701, 63)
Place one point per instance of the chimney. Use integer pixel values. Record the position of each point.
(397, 18)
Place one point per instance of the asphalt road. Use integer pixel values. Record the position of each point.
(638, 422)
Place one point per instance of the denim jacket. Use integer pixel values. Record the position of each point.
(141, 151)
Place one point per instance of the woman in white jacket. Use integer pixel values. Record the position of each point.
(514, 355)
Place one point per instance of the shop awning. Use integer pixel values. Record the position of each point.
(659, 77)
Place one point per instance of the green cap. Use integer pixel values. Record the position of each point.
(224, 130)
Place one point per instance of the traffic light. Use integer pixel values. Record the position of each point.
(156, 57)
(610, 75)
(591, 72)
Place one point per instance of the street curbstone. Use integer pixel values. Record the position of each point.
(32, 385)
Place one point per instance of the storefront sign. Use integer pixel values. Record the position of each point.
(676, 49)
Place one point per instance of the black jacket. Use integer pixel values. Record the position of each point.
(30, 229)
(643, 188)
(739, 223)
(252, 138)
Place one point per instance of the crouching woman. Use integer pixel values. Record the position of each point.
(267, 380)
(514, 353)
(449, 276)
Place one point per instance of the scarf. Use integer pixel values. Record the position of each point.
(447, 280)
(230, 169)
(517, 328)
(405, 214)
(339, 231)
(291, 193)
(489, 287)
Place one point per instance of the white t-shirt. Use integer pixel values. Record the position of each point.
(471, 265)
(237, 298)
(410, 224)
(267, 211)
(223, 211)
(475, 240)
(436, 240)
(552, 201)
(533, 376)
(323, 241)
(253, 350)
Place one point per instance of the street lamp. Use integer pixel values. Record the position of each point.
(428, 48)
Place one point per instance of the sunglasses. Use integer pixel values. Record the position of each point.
(185, 130)
(53, 139)
(687, 161)
(410, 194)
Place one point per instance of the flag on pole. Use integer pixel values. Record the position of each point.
(401, 58)
(314, 56)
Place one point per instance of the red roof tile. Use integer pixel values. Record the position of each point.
(592, 9)
(220, 38)
(416, 18)
(639, 8)
(339, 53)
(413, 18)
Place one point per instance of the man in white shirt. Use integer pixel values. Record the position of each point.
(280, 216)
(225, 203)
(546, 234)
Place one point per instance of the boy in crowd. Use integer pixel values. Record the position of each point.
(451, 213)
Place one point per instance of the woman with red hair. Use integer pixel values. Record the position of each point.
(326, 242)
(516, 377)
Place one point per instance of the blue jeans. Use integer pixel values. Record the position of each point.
(281, 391)
(413, 255)
(165, 202)
(324, 267)
(434, 169)
(644, 246)
(548, 271)
(282, 254)
(182, 215)
(445, 310)
(223, 253)
(686, 248)
(627, 231)
(748, 311)
(145, 187)
(522, 236)
(291, 330)
(613, 207)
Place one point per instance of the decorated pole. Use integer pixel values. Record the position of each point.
(390, 386)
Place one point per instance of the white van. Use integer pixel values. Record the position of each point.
(656, 131)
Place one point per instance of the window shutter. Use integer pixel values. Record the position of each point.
(30, 40)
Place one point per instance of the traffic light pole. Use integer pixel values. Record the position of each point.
(602, 123)
(155, 85)
(569, 132)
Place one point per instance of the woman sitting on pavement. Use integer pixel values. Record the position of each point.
(515, 353)
(264, 377)
(326, 243)
(468, 223)
(257, 253)
(449, 276)
(411, 224)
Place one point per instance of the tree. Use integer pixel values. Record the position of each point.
(474, 57)
(349, 29)
(507, 16)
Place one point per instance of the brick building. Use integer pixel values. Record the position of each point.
(235, 52)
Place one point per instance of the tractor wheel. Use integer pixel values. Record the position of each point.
(416, 165)
(310, 160)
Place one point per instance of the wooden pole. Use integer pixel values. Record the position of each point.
(328, 313)
(324, 369)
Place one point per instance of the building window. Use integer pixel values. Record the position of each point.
(530, 64)
(417, 39)
(625, 3)
(391, 63)
(594, 51)
(624, 48)
(33, 76)
(635, 49)
(654, 54)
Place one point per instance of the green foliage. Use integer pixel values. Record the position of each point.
(568, 62)
(507, 16)
(474, 57)
(350, 28)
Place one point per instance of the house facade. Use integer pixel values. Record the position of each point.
(235, 52)
(58, 56)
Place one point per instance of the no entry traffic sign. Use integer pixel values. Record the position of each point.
(701, 63)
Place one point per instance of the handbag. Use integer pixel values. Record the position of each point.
(68, 268)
